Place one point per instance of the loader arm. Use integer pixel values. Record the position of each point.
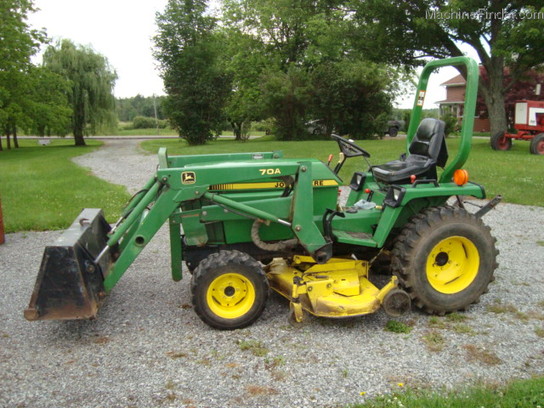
(178, 182)
(175, 186)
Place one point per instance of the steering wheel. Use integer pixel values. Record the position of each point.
(349, 148)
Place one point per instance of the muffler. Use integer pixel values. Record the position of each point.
(70, 282)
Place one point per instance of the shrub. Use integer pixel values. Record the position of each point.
(451, 123)
(144, 122)
(263, 126)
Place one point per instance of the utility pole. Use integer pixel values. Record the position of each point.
(156, 119)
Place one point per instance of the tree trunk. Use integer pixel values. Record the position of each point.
(79, 141)
(8, 140)
(237, 129)
(497, 113)
(493, 92)
(79, 125)
(1, 148)
(15, 141)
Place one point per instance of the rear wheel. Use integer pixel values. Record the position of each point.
(537, 144)
(499, 141)
(229, 290)
(393, 131)
(445, 258)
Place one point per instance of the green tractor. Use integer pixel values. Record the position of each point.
(247, 222)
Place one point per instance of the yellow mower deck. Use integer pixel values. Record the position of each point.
(338, 288)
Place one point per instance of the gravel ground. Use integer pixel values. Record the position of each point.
(148, 348)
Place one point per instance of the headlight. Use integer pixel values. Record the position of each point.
(357, 181)
(394, 196)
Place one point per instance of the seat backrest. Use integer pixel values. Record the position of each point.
(430, 141)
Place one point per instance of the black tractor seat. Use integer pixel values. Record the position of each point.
(427, 150)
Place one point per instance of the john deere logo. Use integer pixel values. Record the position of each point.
(188, 177)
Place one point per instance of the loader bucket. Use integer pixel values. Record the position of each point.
(70, 280)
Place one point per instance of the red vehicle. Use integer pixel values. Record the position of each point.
(529, 122)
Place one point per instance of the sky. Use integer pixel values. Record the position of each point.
(122, 31)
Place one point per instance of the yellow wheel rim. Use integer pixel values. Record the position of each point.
(453, 265)
(230, 295)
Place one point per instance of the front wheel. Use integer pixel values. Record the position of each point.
(445, 258)
(229, 290)
(537, 144)
(499, 141)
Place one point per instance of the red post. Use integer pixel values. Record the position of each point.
(2, 235)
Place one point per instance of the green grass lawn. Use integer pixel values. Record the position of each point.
(517, 175)
(519, 394)
(42, 189)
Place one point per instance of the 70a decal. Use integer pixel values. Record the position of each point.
(269, 172)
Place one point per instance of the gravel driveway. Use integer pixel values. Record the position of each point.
(148, 348)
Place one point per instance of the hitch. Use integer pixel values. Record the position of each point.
(489, 206)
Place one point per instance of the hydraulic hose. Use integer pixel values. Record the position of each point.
(270, 246)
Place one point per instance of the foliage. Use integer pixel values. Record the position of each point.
(47, 103)
(274, 85)
(408, 31)
(404, 115)
(42, 189)
(263, 126)
(291, 32)
(351, 97)
(288, 61)
(91, 87)
(189, 51)
(17, 44)
(142, 122)
(451, 123)
(293, 62)
(128, 108)
(286, 96)
(244, 62)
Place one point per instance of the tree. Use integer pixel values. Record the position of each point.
(91, 86)
(17, 44)
(286, 98)
(271, 60)
(189, 53)
(352, 97)
(47, 105)
(128, 108)
(245, 63)
(503, 33)
(290, 31)
(295, 60)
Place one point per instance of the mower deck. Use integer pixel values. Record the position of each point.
(339, 288)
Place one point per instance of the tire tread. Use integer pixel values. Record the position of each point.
(414, 232)
(222, 259)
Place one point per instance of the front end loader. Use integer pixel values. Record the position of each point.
(247, 222)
